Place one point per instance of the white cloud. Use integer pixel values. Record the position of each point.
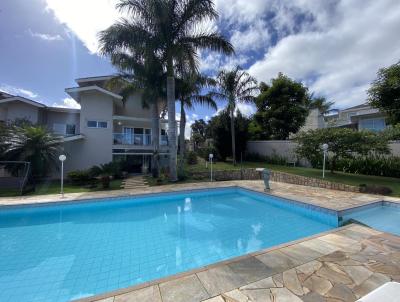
(68, 103)
(246, 109)
(341, 59)
(253, 38)
(85, 18)
(18, 91)
(45, 37)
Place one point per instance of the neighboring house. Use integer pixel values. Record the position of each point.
(104, 129)
(360, 117)
(315, 120)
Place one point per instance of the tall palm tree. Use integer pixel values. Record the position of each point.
(172, 30)
(235, 86)
(320, 103)
(144, 76)
(189, 93)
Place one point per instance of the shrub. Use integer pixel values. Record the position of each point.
(191, 158)
(205, 152)
(373, 189)
(79, 177)
(388, 166)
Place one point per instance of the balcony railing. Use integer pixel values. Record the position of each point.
(136, 139)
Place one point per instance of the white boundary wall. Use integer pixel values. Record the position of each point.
(286, 148)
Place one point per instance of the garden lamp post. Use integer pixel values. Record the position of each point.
(324, 149)
(62, 158)
(210, 156)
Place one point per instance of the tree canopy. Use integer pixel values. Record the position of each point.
(282, 108)
(385, 92)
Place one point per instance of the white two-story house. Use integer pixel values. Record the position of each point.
(104, 129)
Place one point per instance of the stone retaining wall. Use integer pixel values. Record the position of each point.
(252, 174)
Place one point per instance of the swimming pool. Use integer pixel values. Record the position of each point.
(68, 251)
(383, 216)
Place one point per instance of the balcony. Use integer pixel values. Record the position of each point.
(136, 139)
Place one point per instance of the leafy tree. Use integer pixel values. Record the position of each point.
(343, 143)
(235, 86)
(34, 144)
(219, 129)
(282, 108)
(172, 30)
(198, 132)
(385, 92)
(189, 92)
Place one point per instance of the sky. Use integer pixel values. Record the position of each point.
(335, 47)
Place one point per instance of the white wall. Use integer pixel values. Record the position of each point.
(96, 147)
(20, 110)
(283, 148)
(133, 107)
(53, 117)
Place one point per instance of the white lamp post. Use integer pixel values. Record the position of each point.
(325, 149)
(62, 158)
(210, 156)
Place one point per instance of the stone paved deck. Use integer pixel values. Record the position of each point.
(336, 200)
(341, 265)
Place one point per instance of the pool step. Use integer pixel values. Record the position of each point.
(134, 182)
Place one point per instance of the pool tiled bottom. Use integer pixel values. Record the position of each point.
(58, 253)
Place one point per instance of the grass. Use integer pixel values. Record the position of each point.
(53, 187)
(338, 177)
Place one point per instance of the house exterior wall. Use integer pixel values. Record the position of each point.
(54, 117)
(20, 110)
(96, 147)
(3, 113)
(133, 107)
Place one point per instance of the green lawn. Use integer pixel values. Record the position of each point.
(339, 177)
(53, 187)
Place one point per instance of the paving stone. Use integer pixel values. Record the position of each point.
(353, 234)
(219, 280)
(340, 241)
(251, 269)
(309, 268)
(278, 261)
(301, 253)
(235, 296)
(147, 294)
(358, 273)
(313, 297)
(341, 292)
(318, 284)
(320, 246)
(384, 268)
(334, 257)
(283, 295)
(186, 289)
(364, 229)
(258, 295)
(215, 299)
(263, 283)
(278, 280)
(333, 276)
(292, 283)
(374, 281)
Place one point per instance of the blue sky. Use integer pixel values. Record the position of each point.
(334, 46)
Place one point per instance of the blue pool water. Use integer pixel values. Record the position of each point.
(63, 252)
(384, 218)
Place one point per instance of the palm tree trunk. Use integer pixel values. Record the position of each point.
(155, 135)
(233, 135)
(182, 126)
(171, 121)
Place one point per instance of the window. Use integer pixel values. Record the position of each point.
(96, 124)
(64, 129)
(375, 124)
